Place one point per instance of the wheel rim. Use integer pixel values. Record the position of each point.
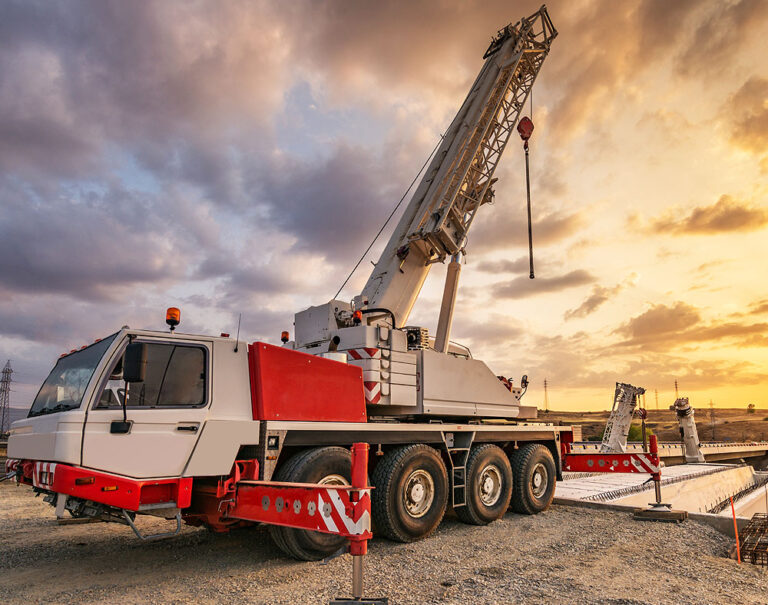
(489, 482)
(419, 493)
(333, 480)
(539, 480)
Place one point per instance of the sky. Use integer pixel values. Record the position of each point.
(238, 157)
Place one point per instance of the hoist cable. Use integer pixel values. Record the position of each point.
(530, 229)
(389, 218)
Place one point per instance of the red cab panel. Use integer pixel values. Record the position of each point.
(289, 385)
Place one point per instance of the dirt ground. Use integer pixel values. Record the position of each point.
(562, 555)
(730, 424)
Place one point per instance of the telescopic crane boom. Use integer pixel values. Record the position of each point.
(460, 179)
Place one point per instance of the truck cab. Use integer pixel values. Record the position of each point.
(177, 409)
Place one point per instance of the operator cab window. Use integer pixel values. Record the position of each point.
(175, 377)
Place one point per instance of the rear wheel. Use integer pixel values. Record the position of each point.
(534, 476)
(323, 465)
(489, 485)
(411, 493)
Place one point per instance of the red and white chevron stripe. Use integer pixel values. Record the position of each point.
(372, 392)
(335, 514)
(364, 353)
(43, 473)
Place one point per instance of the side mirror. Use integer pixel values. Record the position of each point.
(524, 381)
(135, 362)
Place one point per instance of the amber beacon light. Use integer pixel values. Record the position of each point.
(172, 317)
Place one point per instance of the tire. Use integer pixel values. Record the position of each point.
(331, 465)
(416, 471)
(534, 476)
(489, 486)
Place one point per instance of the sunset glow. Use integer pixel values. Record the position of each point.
(228, 158)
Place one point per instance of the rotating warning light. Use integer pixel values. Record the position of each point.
(172, 317)
(357, 317)
(284, 336)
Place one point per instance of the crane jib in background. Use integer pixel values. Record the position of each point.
(525, 128)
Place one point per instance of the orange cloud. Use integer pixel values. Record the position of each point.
(726, 215)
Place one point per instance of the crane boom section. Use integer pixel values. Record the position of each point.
(460, 177)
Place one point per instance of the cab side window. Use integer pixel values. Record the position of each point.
(175, 376)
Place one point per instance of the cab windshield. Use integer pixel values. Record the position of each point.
(65, 386)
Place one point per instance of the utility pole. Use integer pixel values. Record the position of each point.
(546, 397)
(712, 418)
(5, 398)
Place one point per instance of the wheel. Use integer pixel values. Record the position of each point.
(489, 485)
(411, 493)
(323, 465)
(534, 475)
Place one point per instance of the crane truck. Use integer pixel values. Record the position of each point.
(199, 428)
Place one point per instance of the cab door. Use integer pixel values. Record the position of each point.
(166, 411)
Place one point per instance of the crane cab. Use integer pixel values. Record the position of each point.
(86, 414)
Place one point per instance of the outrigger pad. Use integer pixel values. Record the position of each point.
(363, 601)
(654, 514)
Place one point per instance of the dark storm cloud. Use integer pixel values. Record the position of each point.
(330, 208)
(89, 245)
(725, 215)
(523, 286)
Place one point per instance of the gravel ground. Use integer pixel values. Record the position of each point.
(562, 555)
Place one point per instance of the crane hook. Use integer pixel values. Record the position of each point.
(525, 129)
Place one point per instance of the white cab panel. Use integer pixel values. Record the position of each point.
(50, 437)
(218, 445)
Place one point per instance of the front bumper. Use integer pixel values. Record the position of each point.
(111, 490)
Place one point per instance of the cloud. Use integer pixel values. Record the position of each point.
(507, 230)
(522, 287)
(519, 265)
(660, 322)
(599, 296)
(759, 307)
(747, 109)
(95, 245)
(497, 330)
(666, 328)
(718, 34)
(725, 215)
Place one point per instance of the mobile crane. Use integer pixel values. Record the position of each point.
(204, 429)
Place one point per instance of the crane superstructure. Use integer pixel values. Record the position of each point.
(434, 227)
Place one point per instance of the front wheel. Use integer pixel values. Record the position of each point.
(534, 473)
(323, 465)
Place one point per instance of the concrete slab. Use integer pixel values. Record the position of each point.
(610, 487)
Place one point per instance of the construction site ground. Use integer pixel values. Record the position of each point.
(562, 555)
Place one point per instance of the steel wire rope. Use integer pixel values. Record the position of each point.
(391, 214)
